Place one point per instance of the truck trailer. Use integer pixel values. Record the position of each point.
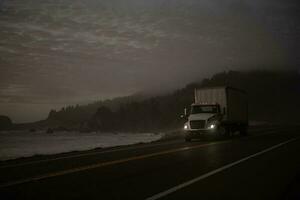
(217, 111)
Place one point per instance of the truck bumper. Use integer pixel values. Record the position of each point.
(190, 134)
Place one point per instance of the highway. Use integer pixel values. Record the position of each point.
(263, 165)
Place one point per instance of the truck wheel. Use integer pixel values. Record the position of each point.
(222, 132)
(244, 131)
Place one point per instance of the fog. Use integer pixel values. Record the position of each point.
(60, 52)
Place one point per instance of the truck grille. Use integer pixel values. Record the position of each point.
(197, 124)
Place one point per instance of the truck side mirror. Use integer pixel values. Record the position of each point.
(184, 113)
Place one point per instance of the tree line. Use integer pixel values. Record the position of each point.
(271, 95)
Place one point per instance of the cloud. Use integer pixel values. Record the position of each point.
(62, 52)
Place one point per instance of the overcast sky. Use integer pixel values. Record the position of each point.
(60, 52)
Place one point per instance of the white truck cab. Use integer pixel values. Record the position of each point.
(203, 117)
(218, 110)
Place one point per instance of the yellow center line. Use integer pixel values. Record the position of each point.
(83, 154)
(104, 164)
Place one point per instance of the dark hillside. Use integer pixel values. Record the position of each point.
(274, 96)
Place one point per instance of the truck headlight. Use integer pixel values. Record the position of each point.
(212, 126)
(185, 127)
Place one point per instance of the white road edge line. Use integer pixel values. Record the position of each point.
(190, 182)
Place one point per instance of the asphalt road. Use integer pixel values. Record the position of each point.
(263, 165)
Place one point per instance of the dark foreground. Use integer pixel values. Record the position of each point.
(263, 165)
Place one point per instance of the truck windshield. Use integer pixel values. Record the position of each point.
(204, 109)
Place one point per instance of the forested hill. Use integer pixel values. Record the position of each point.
(274, 96)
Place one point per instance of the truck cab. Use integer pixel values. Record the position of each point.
(203, 117)
(216, 111)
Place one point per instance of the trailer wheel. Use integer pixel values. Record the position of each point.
(229, 132)
(244, 131)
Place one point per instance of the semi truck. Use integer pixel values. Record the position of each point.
(218, 111)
